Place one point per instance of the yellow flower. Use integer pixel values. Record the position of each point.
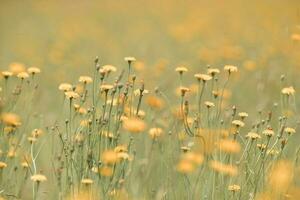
(155, 132)
(213, 71)
(234, 188)
(85, 79)
(106, 87)
(209, 104)
(6, 74)
(243, 115)
(3, 165)
(253, 136)
(109, 157)
(238, 123)
(268, 132)
(203, 77)
(181, 69)
(288, 91)
(230, 68)
(134, 125)
(33, 70)
(229, 146)
(11, 119)
(87, 181)
(129, 59)
(23, 75)
(185, 167)
(38, 178)
(72, 95)
(65, 87)
(289, 130)
(108, 68)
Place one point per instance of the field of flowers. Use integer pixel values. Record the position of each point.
(149, 100)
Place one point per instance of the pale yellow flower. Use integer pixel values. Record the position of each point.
(108, 69)
(203, 77)
(181, 69)
(6, 74)
(85, 79)
(65, 87)
(289, 130)
(213, 71)
(38, 178)
(33, 70)
(288, 91)
(130, 59)
(230, 68)
(72, 95)
(234, 188)
(23, 75)
(238, 123)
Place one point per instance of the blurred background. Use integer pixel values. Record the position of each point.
(63, 37)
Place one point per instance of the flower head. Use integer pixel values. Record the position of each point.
(6, 74)
(203, 77)
(38, 178)
(238, 123)
(288, 91)
(289, 130)
(130, 59)
(23, 75)
(229, 146)
(72, 95)
(33, 70)
(234, 188)
(107, 69)
(209, 104)
(230, 68)
(181, 69)
(3, 165)
(85, 79)
(87, 181)
(213, 71)
(155, 132)
(11, 119)
(134, 125)
(253, 136)
(106, 87)
(268, 132)
(65, 87)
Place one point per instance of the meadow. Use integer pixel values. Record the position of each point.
(142, 100)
